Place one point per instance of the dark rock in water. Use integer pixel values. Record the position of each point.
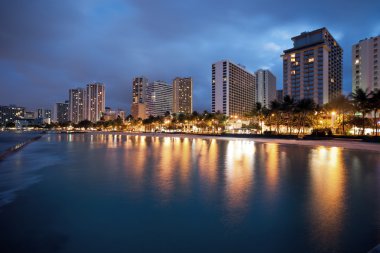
(375, 250)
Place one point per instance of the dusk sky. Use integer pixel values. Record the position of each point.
(48, 47)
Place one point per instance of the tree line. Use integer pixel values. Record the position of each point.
(358, 110)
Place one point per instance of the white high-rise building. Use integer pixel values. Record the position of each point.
(365, 64)
(233, 89)
(96, 101)
(159, 98)
(183, 95)
(77, 105)
(265, 87)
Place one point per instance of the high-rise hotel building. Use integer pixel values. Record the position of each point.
(233, 89)
(61, 112)
(365, 64)
(95, 104)
(77, 105)
(313, 67)
(159, 98)
(138, 107)
(265, 87)
(183, 95)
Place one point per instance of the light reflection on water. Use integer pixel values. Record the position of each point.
(327, 196)
(263, 192)
(239, 166)
(272, 167)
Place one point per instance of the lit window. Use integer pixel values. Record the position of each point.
(357, 61)
(311, 60)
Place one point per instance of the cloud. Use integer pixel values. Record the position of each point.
(271, 46)
(47, 47)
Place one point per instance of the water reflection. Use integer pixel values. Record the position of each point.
(232, 195)
(272, 167)
(239, 177)
(328, 178)
(206, 152)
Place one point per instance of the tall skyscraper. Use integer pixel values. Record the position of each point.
(61, 112)
(365, 64)
(77, 105)
(265, 87)
(138, 107)
(159, 98)
(183, 95)
(233, 89)
(313, 67)
(96, 101)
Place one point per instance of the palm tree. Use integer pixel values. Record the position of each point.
(375, 105)
(287, 106)
(275, 108)
(304, 107)
(361, 102)
(258, 112)
(342, 105)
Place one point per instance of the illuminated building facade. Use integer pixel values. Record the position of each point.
(183, 95)
(95, 104)
(233, 89)
(365, 64)
(138, 107)
(11, 113)
(313, 67)
(159, 98)
(77, 105)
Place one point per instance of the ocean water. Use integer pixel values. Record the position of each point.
(9, 139)
(120, 193)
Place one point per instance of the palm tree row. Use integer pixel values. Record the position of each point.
(360, 108)
(295, 116)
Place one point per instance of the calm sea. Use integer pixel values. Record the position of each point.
(117, 193)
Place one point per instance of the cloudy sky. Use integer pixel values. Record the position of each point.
(47, 47)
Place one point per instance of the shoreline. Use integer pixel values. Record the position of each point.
(346, 144)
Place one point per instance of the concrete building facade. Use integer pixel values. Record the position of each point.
(159, 99)
(233, 89)
(96, 100)
(139, 89)
(61, 112)
(365, 64)
(265, 87)
(183, 95)
(313, 67)
(77, 105)
(11, 113)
